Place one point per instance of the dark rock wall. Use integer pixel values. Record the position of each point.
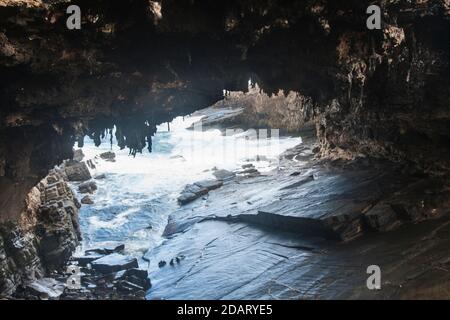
(288, 112)
(42, 238)
(136, 63)
(27, 153)
(394, 89)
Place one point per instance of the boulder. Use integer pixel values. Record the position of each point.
(187, 197)
(46, 288)
(84, 260)
(87, 200)
(381, 217)
(196, 189)
(162, 264)
(87, 187)
(224, 175)
(249, 171)
(107, 249)
(77, 171)
(137, 277)
(114, 262)
(91, 164)
(209, 184)
(191, 192)
(78, 155)
(108, 156)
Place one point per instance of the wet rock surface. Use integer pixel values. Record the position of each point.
(87, 187)
(236, 261)
(114, 262)
(76, 171)
(87, 200)
(107, 275)
(308, 230)
(78, 155)
(198, 189)
(107, 249)
(223, 175)
(100, 177)
(108, 156)
(46, 288)
(42, 240)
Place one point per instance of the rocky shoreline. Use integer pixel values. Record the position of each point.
(44, 237)
(37, 258)
(307, 207)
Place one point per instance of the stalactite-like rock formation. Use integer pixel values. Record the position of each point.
(381, 93)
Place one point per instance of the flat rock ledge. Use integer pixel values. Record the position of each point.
(194, 191)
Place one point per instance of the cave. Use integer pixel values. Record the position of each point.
(103, 167)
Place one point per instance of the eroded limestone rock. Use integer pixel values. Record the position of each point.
(77, 171)
(87, 187)
(114, 262)
(44, 236)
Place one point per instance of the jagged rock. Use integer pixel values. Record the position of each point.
(78, 155)
(381, 217)
(86, 259)
(87, 187)
(191, 192)
(162, 264)
(108, 156)
(196, 189)
(249, 171)
(224, 175)
(91, 164)
(128, 286)
(107, 249)
(209, 184)
(138, 277)
(100, 177)
(44, 237)
(114, 262)
(77, 171)
(46, 288)
(187, 197)
(87, 200)
(142, 274)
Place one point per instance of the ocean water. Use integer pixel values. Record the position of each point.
(132, 204)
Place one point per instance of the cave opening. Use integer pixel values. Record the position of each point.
(138, 187)
(182, 149)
